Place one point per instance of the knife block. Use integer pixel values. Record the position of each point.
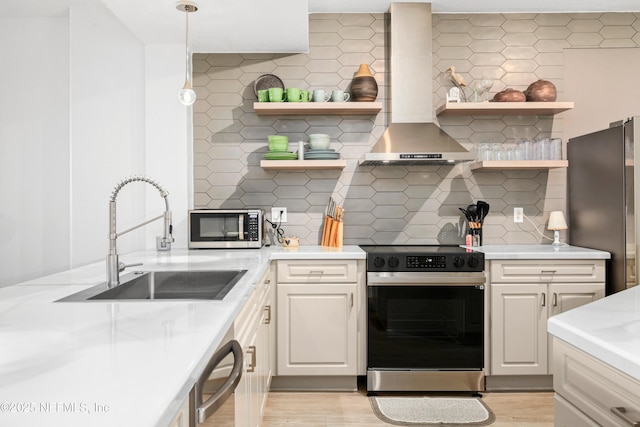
(332, 232)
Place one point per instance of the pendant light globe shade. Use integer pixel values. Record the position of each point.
(187, 94)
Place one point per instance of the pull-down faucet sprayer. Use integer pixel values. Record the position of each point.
(162, 243)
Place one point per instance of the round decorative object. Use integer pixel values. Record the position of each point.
(541, 91)
(267, 81)
(509, 95)
(364, 87)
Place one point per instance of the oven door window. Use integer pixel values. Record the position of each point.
(219, 227)
(425, 327)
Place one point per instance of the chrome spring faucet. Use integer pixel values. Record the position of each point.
(163, 243)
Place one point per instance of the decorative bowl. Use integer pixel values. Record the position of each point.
(278, 145)
(319, 144)
(509, 95)
(278, 142)
(319, 141)
(541, 91)
(273, 138)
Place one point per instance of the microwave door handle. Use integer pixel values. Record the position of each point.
(211, 405)
(241, 227)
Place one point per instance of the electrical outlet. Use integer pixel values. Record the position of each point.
(279, 215)
(518, 214)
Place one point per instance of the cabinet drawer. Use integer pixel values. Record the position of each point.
(317, 271)
(594, 387)
(536, 271)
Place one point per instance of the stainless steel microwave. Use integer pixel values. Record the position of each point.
(226, 228)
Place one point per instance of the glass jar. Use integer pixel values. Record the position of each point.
(483, 152)
(497, 151)
(555, 149)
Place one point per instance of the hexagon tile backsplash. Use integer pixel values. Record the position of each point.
(392, 204)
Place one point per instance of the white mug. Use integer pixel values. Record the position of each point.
(319, 95)
(339, 96)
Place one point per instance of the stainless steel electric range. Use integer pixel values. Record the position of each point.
(425, 324)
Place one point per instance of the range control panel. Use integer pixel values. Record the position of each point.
(423, 258)
(435, 262)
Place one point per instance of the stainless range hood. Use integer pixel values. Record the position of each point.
(412, 137)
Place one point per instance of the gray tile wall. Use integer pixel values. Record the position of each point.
(413, 204)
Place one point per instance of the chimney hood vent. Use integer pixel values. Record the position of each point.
(412, 138)
(413, 144)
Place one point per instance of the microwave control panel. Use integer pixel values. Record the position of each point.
(254, 227)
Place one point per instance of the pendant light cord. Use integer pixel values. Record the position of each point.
(186, 50)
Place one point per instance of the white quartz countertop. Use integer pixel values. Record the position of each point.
(119, 363)
(608, 329)
(539, 252)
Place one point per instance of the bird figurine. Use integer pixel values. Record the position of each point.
(456, 78)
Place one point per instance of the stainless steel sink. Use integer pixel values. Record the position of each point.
(165, 285)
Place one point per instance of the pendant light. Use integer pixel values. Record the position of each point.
(187, 94)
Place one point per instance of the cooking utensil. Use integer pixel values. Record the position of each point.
(483, 207)
(473, 212)
(466, 214)
(327, 223)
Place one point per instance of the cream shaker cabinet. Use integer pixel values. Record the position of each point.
(317, 317)
(524, 294)
(590, 392)
(254, 330)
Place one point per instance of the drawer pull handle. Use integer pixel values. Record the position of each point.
(548, 271)
(621, 412)
(267, 319)
(544, 299)
(316, 271)
(252, 364)
(555, 299)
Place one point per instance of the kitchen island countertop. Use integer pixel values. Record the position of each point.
(607, 329)
(119, 363)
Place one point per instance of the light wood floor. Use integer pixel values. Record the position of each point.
(333, 409)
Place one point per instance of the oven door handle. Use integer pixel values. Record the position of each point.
(425, 279)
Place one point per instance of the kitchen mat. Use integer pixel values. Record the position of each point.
(432, 411)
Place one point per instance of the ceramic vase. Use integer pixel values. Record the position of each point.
(364, 87)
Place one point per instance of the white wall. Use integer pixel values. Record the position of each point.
(34, 148)
(85, 105)
(107, 131)
(169, 140)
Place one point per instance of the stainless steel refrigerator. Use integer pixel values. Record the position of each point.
(601, 183)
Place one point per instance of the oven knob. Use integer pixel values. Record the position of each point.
(393, 262)
(458, 262)
(473, 262)
(378, 262)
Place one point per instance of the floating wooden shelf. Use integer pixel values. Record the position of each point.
(316, 108)
(502, 108)
(303, 164)
(519, 164)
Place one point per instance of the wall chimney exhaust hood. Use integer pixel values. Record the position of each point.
(412, 137)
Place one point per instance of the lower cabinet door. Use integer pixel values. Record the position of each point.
(519, 329)
(317, 329)
(565, 297)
